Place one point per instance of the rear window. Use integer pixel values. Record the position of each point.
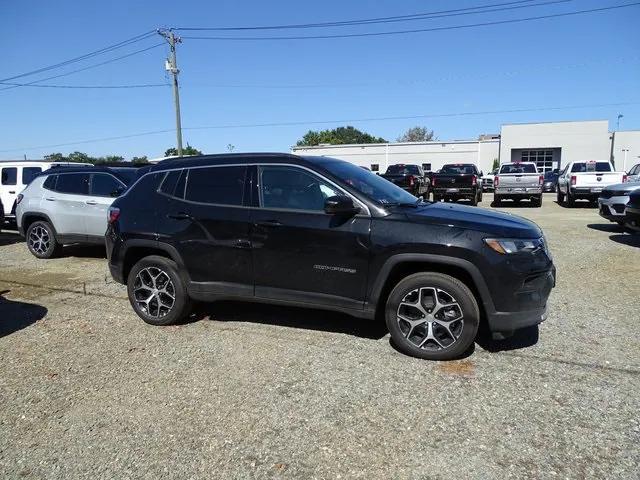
(458, 170)
(50, 182)
(29, 173)
(73, 183)
(9, 176)
(518, 168)
(403, 170)
(218, 185)
(583, 167)
(169, 183)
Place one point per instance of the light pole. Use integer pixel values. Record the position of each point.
(624, 161)
(618, 123)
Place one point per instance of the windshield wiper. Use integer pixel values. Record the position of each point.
(404, 204)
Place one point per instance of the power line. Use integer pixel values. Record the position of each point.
(322, 122)
(144, 85)
(115, 46)
(84, 68)
(418, 30)
(393, 19)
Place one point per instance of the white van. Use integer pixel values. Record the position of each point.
(16, 175)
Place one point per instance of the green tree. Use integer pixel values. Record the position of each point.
(80, 157)
(140, 160)
(338, 136)
(417, 134)
(188, 150)
(56, 157)
(496, 164)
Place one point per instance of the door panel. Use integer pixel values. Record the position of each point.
(212, 239)
(9, 187)
(300, 252)
(103, 191)
(68, 203)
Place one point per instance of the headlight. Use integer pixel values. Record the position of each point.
(506, 246)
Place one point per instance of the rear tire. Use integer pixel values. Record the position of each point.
(432, 316)
(436, 198)
(537, 202)
(571, 202)
(157, 292)
(41, 240)
(496, 200)
(559, 197)
(474, 200)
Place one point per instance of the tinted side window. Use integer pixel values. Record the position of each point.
(104, 185)
(293, 188)
(9, 176)
(73, 183)
(29, 173)
(50, 182)
(168, 185)
(220, 185)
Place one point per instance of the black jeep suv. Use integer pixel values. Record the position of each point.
(322, 233)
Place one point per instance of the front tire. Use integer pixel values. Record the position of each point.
(41, 240)
(157, 292)
(432, 316)
(559, 197)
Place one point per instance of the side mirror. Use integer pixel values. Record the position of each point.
(340, 205)
(481, 173)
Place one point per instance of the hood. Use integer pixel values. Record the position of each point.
(491, 222)
(626, 187)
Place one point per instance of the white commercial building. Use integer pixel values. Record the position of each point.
(550, 145)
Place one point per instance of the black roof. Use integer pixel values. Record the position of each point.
(233, 158)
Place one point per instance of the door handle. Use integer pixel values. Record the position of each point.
(12, 191)
(269, 223)
(50, 199)
(91, 202)
(180, 216)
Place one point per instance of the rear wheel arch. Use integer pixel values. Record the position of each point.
(31, 217)
(141, 249)
(403, 265)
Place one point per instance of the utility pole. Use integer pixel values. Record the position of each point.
(171, 65)
(618, 123)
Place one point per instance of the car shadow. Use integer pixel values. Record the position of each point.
(578, 204)
(293, 317)
(15, 316)
(84, 251)
(632, 240)
(512, 204)
(605, 227)
(523, 338)
(9, 238)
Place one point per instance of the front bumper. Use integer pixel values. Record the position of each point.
(612, 208)
(632, 218)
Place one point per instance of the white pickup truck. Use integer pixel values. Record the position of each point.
(516, 181)
(585, 180)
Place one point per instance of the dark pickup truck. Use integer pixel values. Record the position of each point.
(410, 178)
(457, 181)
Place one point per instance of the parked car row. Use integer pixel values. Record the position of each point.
(307, 231)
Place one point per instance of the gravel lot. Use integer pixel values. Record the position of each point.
(87, 390)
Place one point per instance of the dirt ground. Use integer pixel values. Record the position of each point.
(87, 390)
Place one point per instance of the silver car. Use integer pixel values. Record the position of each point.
(634, 174)
(70, 205)
(613, 199)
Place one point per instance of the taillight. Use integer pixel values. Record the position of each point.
(573, 179)
(411, 181)
(624, 179)
(474, 180)
(114, 214)
(19, 198)
(541, 179)
(496, 181)
(433, 182)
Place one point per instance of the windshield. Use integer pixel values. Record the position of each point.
(403, 170)
(458, 170)
(127, 175)
(591, 167)
(518, 168)
(371, 185)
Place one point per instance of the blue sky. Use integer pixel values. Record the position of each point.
(578, 60)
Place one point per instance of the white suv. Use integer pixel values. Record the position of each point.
(69, 205)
